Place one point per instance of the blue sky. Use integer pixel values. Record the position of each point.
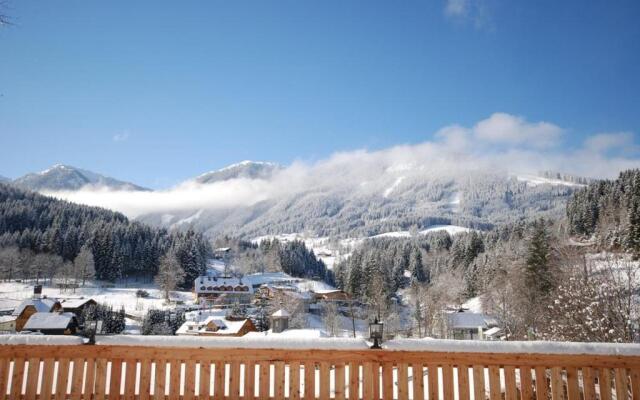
(155, 92)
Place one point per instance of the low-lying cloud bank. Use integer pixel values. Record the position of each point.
(502, 142)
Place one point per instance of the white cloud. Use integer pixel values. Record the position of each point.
(473, 12)
(456, 8)
(604, 142)
(121, 137)
(502, 128)
(502, 143)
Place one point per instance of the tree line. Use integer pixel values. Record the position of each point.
(120, 248)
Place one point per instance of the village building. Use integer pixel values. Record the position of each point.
(216, 326)
(331, 295)
(222, 290)
(52, 323)
(469, 325)
(28, 307)
(77, 306)
(7, 324)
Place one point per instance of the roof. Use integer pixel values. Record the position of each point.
(212, 284)
(41, 305)
(225, 326)
(281, 313)
(7, 318)
(75, 303)
(492, 331)
(469, 320)
(49, 320)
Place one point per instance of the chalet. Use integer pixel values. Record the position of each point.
(77, 306)
(331, 295)
(7, 323)
(216, 326)
(469, 325)
(227, 290)
(52, 323)
(31, 306)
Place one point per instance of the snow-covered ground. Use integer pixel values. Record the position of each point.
(450, 229)
(533, 180)
(12, 293)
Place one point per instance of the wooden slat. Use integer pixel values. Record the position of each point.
(278, 376)
(447, 382)
(62, 381)
(542, 387)
(418, 381)
(101, 379)
(190, 380)
(89, 378)
(46, 389)
(604, 379)
(116, 379)
(588, 383)
(478, 382)
(622, 384)
(325, 374)
(144, 388)
(463, 382)
(526, 390)
(234, 380)
(635, 384)
(556, 383)
(4, 377)
(432, 370)
(339, 377)
(130, 379)
(573, 390)
(367, 380)
(160, 381)
(205, 380)
(250, 379)
(32, 378)
(17, 378)
(77, 378)
(375, 378)
(264, 380)
(219, 381)
(494, 383)
(294, 380)
(175, 372)
(354, 381)
(403, 381)
(387, 381)
(511, 390)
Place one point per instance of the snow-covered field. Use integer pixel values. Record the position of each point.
(12, 293)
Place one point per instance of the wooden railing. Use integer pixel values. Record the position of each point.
(140, 372)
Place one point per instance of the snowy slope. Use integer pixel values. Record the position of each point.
(64, 177)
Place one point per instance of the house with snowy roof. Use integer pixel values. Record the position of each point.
(466, 325)
(37, 304)
(216, 326)
(77, 306)
(52, 323)
(222, 290)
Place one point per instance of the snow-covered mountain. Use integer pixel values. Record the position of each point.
(4, 179)
(63, 177)
(374, 201)
(245, 169)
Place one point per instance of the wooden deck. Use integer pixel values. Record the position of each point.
(133, 372)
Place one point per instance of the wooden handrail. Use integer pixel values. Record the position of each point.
(140, 372)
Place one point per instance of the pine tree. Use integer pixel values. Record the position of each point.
(538, 263)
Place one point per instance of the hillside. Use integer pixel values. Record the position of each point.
(63, 177)
(389, 202)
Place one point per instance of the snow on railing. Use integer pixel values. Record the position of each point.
(142, 367)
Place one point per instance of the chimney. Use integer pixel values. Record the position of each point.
(37, 291)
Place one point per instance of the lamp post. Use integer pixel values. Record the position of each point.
(93, 327)
(375, 333)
